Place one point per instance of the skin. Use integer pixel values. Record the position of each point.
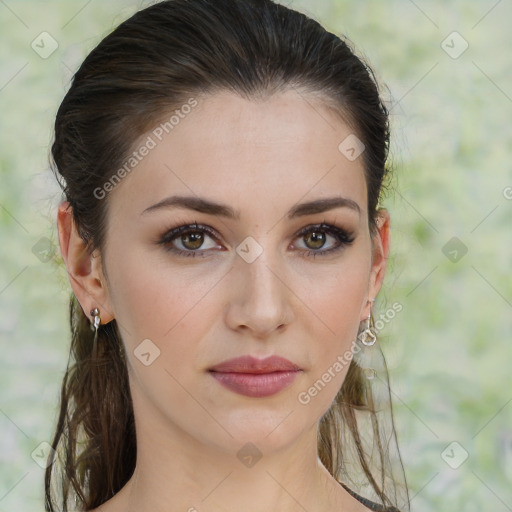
(260, 157)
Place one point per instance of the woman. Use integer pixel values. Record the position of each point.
(222, 162)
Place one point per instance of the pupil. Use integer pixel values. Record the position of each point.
(195, 239)
(318, 237)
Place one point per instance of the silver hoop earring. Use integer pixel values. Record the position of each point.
(368, 337)
(364, 355)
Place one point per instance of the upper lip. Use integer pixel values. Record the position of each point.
(249, 364)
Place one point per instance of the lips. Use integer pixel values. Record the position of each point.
(255, 377)
(249, 364)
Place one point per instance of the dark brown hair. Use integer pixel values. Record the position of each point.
(149, 65)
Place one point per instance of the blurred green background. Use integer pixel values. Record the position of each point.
(449, 350)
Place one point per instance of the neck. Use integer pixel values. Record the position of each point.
(175, 472)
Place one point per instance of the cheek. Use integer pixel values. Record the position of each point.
(333, 309)
(336, 295)
(163, 304)
(159, 316)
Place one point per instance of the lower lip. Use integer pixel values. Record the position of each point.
(255, 384)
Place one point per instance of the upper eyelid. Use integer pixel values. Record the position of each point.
(184, 228)
(198, 226)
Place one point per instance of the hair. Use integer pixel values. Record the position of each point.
(149, 65)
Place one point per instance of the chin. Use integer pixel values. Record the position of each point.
(269, 431)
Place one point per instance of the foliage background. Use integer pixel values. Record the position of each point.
(449, 349)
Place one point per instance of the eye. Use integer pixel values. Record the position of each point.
(317, 235)
(192, 238)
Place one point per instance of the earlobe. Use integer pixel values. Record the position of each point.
(83, 267)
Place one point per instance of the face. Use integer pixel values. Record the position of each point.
(260, 276)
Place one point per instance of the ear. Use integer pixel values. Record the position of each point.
(84, 268)
(380, 253)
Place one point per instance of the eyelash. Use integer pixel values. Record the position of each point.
(343, 237)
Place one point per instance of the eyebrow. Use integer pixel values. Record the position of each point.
(209, 207)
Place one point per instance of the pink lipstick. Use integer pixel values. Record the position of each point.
(255, 377)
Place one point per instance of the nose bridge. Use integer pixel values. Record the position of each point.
(261, 301)
(262, 282)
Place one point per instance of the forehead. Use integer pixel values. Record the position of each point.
(252, 154)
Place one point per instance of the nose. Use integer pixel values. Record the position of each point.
(260, 300)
